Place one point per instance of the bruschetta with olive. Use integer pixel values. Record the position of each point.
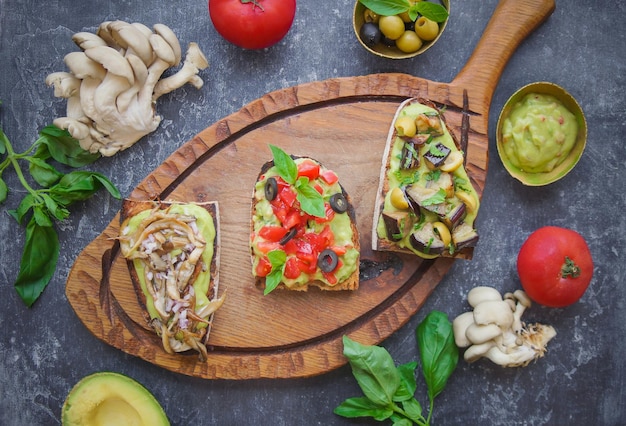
(303, 229)
(172, 251)
(426, 204)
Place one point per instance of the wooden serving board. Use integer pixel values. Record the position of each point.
(343, 123)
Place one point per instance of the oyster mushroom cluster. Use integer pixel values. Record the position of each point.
(494, 329)
(113, 83)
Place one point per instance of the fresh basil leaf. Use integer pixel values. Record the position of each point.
(22, 209)
(408, 384)
(39, 259)
(80, 185)
(41, 217)
(374, 370)
(4, 141)
(54, 208)
(286, 166)
(413, 410)
(401, 421)
(43, 173)
(438, 352)
(64, 148)
(433, 11)
(386, 7)
(272, 280)
(310, 200)
(4, 191)
(438, 198)
(362, 407)
(277, 259)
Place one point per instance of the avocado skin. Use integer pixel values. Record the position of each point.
(92, 392)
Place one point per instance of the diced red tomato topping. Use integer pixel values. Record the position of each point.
(329, 177)
(272, 233)
(292, 269)
(267, 246)
(293, 219)
(339, 251)
(264, 267)
(309, 169)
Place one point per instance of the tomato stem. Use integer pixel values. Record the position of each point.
(570, 269)
(255, 3)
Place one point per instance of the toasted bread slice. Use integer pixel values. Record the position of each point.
(344, 236)
(423, 181)
(172, 251)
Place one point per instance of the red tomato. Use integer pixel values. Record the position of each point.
(309, 169)
(329, 177)
(292, 270)
(252, 24)
(264, 267)
(272, 233)
(555, 266)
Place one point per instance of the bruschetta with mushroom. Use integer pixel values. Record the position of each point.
(172, 250)
(426, 204)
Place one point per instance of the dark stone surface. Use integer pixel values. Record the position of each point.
(45, 350)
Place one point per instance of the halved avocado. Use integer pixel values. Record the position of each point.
(108, 398)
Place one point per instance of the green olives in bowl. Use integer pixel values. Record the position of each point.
(397, 34)
(541, 133)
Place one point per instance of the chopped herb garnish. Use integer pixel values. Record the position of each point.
(437, 198)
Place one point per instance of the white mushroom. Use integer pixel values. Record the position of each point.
(494, 329)
(64, 83)
(86, 40)
(114, 82)
(482, 294)
(194, 62)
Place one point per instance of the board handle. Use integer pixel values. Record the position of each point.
(511, 22)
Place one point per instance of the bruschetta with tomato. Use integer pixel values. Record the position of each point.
(303, 229)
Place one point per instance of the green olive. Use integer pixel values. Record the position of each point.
(405, 125)
(409, 42)
(370, 16)
(397, 199)
(426, 29)
(392, 27)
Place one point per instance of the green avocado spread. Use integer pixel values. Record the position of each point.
(539, 133)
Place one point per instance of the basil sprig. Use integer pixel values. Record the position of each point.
(389, 390)
(310, 200)
(434, 12)
(277, 259)
(41, 207)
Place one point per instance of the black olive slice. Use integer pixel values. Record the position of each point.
(288, 236)
(271, 188)
(338, 203)
(328, 260)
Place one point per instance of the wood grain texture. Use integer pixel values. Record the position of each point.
(343, 123)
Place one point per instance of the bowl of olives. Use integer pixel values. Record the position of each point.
(541, 133)
(402, 30)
